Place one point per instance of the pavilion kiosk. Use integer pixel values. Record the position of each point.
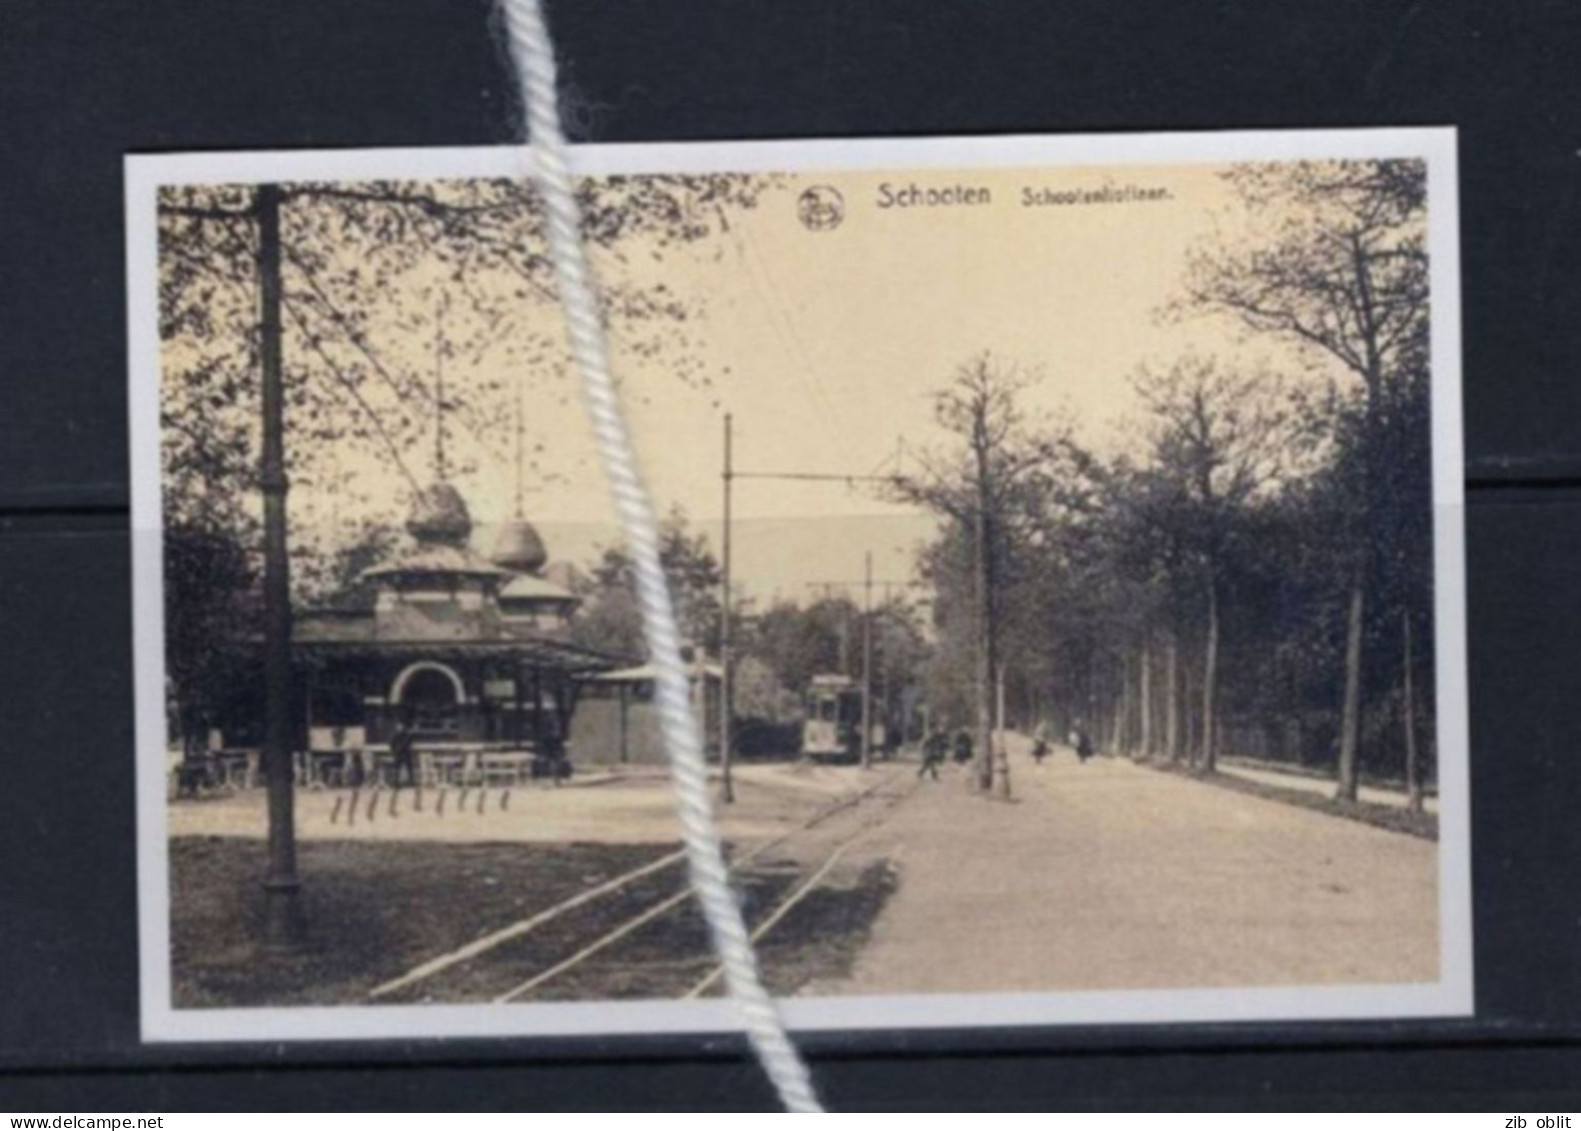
(473, 653)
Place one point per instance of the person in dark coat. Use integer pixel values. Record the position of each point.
(963, 746)
(933, 754)
(1084, 748)
(403, 755)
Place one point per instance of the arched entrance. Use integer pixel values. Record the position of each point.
(430, 697)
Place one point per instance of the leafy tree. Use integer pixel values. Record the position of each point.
(1219, 439)
(611, 617)
(210, 610)
(758, 692)
(1256, 538)
(798, 642)
(1341, 271)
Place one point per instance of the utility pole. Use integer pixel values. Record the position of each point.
(282, 915)
(867, 661)
(730, 474)
(887, 707)
(727, 789)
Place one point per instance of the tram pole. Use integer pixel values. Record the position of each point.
(727, 789)
(867, 661)
(281, 884)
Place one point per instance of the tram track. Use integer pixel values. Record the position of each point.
(563, 942)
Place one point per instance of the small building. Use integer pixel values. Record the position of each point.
(618, 713)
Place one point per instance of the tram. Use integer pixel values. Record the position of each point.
(832, 730)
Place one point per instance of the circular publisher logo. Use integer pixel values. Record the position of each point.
(821, 208)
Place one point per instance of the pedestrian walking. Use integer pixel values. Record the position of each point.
(963, 746)
(933, 751)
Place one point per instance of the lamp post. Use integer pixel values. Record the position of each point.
(282, 916)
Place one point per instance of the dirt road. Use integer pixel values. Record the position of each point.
(1108, 875)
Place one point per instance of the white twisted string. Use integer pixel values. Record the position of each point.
(533, 55)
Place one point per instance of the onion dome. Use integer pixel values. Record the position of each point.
(439, 516)
(519, 548)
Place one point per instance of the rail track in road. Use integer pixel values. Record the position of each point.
(640, 934)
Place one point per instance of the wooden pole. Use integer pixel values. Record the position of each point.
(727, 789)
(887, 707)
(867, 661)
(537, 710)
(281, 884)
(519, 722)
(624, 698)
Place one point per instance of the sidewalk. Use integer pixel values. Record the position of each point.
(1106, 875)
(1374, 795)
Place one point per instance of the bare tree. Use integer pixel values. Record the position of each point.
(985, 484)
(1218, 440)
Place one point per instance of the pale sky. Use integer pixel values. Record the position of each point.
(836, 340)
(826, 347)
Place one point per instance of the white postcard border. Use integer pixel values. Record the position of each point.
(1451, 996)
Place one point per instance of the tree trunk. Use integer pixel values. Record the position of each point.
(1117, 719)
(1172, 698)
(1123, 711)
(1210, 678)
(1146, 742)
(1413, 773)
(987, 660)
(1350, 719)
(1372, 374)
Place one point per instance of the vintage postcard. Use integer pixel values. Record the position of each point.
(1066, 534)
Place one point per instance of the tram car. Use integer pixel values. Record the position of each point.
(832, 730)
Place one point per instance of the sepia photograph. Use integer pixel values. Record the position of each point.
(1064, 534)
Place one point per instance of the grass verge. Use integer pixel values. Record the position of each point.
(375, 910)
(1394, 818)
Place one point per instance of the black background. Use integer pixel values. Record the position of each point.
(83, 83)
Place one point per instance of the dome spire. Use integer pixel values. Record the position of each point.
(519, 547)
(439, 516)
